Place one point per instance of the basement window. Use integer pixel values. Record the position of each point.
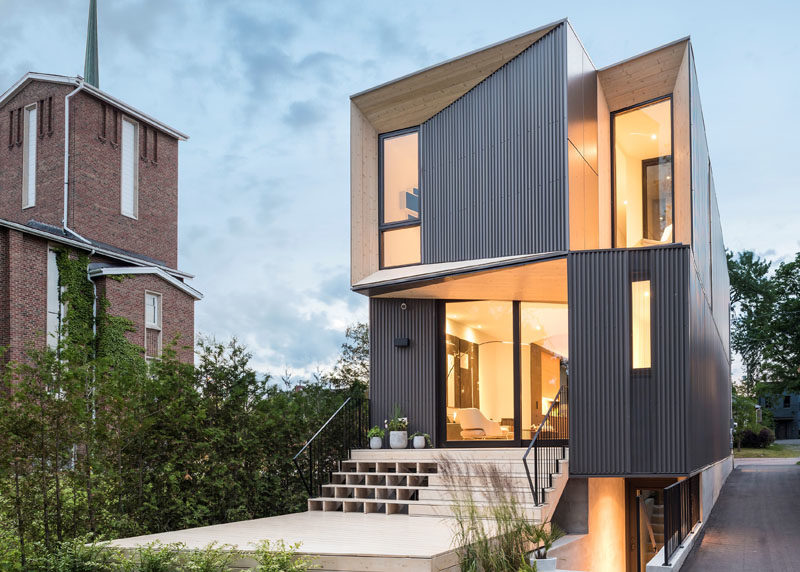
(399, 198)
(640, 324)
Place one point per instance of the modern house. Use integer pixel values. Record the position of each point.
(522, 223)
(83, 172)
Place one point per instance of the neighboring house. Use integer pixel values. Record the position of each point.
(523, 222)
(83, 171)
(786, 414)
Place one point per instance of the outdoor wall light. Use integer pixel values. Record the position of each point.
(402, 342)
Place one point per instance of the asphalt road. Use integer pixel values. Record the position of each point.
(755, 524)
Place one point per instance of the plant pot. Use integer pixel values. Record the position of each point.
(419, 441)
(375, 443)
(544, 564)
(398, 439)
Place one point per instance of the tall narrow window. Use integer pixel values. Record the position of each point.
(643, 197)
(53, 300)
(29, 158)
(640, 323)
(130, 166)
(152, 324)
(399, 199)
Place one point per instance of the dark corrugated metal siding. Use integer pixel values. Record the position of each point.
(494, 166)
(404, 376)
(701, 176)
(622, 423)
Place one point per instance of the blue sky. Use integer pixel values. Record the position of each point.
(262, 89)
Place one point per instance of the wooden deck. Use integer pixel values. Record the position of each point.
(338, 541)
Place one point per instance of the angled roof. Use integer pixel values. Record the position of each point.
(98, 270)
(415, 98)
(98, 93)
(58, 234)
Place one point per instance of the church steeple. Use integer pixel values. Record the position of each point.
(91, 71)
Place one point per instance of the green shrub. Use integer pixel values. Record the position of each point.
(766, 437)
(155, 557)
(278, 557)
(78, 555)
(212, 558)
(755, 436)
(376, 432)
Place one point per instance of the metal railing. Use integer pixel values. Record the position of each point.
(549, 445)
(681, 513)
(346, 429)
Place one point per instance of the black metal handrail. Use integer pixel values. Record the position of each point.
(549, 445)
(681, 513)
(349, 426)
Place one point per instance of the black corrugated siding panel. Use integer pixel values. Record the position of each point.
(701, 177)
(620, 423)
(404, 376)
(493, 163)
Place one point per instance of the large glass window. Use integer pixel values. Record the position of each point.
(400, 199)
(480, 370)
(640, 326)
(643, 191)
(543, 360)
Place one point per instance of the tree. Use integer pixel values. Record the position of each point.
(752, 308)
(782, 351)
(352, 367)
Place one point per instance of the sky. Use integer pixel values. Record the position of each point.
(263, 88)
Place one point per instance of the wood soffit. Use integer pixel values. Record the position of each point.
(415, 98)
(643, 77)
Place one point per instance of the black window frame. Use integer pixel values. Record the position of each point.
(613, 114)
(383, 226)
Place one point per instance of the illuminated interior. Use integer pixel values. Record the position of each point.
(543, 359)
(643, 197)
(640, 326)
(400, 200)
(480, 370)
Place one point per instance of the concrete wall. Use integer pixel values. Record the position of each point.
(711, 481)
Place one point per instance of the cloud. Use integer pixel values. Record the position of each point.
(303, 114)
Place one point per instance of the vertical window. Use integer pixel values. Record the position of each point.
(643, 191)
(53, 300)
(787, 401)
(152, 324)
(640, 326)
(130, 165)
(399, 199)
(29, 157)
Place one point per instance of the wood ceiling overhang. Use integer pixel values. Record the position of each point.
(643, 77)
(413, 99)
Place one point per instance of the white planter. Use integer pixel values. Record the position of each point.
(398, 439)
(375, 443)
(419, 441)
(544, 564)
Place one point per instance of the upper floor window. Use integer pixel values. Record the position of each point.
(129, 172)
(640, 324)
(643, 189)
(29, 157)
(152, 325)
(399, 199)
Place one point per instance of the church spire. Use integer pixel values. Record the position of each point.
(91, 71)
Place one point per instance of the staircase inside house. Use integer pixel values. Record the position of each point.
(654, 529)
(415, 482)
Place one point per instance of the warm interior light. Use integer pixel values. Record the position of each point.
(640, 323)
(653, 137)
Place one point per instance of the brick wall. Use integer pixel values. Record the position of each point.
(126, 298)
(95, 163)
(49, 206)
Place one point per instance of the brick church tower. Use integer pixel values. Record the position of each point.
(83, 171)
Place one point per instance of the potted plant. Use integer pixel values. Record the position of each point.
(544, 535)
(376, 435)
(420, 440)
(398, 430)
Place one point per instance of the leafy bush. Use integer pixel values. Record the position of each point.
(755, 436)
(376, 432)
(213, 558)
(766, 437)
(278, 557)
(155, 557)
(77, 555)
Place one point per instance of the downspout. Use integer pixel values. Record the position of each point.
(66, 160)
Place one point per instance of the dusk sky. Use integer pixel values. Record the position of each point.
(263, 88)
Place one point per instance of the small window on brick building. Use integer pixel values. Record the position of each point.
(152, 324)
(129, 173)
(29, 157)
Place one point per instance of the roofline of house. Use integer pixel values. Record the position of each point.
(79, 244)
(128, 270)
(98, 93)
(471, 53)
(646, 53)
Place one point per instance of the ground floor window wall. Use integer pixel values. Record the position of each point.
(505, 362)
